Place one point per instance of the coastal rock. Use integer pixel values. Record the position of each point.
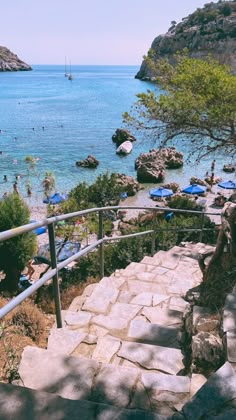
(128, 183)
(122, 135)
(216, 180)
(207, 350)
(10, 61)
(89, 162)
(171, 186)
(127, 228)
(229, 168)
(150, 166)
(210, 30)
(198, 181)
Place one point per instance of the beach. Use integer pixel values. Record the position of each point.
(140, 199)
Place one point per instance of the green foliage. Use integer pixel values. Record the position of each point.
(118, 255)
(103, 192)
(199, 104)
(181, 202)
(15, 252)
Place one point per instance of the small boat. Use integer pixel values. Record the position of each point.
(66, 74)
(125, 148)
(70, 75)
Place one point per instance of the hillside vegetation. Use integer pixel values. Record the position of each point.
(209, 30)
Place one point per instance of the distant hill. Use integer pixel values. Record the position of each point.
(210, 30)
(10, 61)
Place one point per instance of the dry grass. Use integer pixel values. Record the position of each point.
(22, 327)
(30, 319)
(45, 296)
(29, 324)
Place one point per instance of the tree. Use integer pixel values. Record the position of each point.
(199, 104)
(219, 273)
(15, 252)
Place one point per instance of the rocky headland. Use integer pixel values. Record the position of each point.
(210, 30)
(10, 61)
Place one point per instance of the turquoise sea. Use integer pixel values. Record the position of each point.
(44, 115)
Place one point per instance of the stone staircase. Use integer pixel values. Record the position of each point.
(122, 344)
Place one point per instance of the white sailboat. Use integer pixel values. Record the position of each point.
(70, 77)
(66, 74)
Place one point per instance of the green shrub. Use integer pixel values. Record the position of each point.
(181, 202)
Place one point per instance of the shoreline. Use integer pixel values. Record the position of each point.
(38, 212)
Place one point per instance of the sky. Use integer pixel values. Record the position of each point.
(87, 31)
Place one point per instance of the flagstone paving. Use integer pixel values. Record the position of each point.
(121, 341)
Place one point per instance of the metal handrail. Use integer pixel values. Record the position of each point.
(56, 267)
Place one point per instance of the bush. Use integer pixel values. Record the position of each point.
(30, 319)
(181, 202)
(118, 255)
(15, 252)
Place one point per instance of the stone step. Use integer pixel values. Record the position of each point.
(23, 403)
(157, 334)
(78, 378)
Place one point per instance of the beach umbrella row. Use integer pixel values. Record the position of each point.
(194, 189)
(190, 189)
(160, 192)
(228, 185)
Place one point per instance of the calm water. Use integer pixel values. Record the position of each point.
(79, 118)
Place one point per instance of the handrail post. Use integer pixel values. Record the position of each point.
(56, 291)
(101, 247)
(202, 226)
(154, 214)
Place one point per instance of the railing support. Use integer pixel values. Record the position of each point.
(202, 226)
(101, 247)
(154, 218)
(56, 290)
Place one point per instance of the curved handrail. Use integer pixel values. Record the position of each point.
(53, 273)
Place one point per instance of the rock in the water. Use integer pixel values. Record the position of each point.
(10, 61)
(89, 162)
(229, 168)
(150, 166)
(198, 181)
(122, 135)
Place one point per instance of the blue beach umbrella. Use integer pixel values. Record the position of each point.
(55, 198)
(40, 230)
(194, 189)
(228, 185)
(160, 192)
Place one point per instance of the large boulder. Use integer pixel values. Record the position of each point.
(122, 135)
(150, 166)
(89, 162)
(229, 168)
(172, 186)
(128, 183)
(198, 181)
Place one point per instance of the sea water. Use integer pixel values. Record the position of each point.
(58, 121)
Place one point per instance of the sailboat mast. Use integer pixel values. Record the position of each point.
(66, 74)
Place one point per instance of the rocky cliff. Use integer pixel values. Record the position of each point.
(10, 61)
(210, 30)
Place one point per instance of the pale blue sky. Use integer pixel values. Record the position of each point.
(87, 31)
